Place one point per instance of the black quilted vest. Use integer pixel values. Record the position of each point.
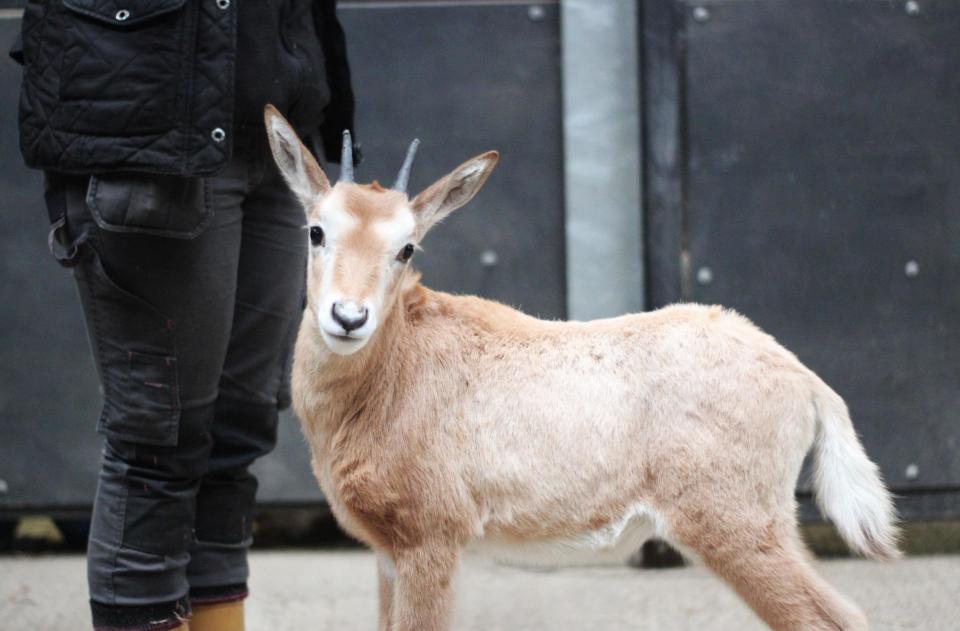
(166, 86)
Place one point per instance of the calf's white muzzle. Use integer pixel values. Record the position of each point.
(346, 326)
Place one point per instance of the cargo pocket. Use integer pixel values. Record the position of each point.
(135, 347)
(162, 206)
(152, 391)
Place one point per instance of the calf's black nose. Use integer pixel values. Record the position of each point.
(349, 319)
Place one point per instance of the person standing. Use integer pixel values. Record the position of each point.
(189, 255)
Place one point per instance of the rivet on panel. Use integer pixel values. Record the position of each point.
(704, 275)
(911, 269)
(536, 12)
(912, 472)
(701, 14)
(489, 258)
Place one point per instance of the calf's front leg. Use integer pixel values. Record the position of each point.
(423, 588)
(386, 574)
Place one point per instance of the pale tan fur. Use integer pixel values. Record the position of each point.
(463, 421)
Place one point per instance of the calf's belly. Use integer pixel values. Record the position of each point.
(611, 543)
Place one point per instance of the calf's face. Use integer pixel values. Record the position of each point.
(362, 236)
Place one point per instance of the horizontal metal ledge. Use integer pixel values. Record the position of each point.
(419, 4)
(16, 14)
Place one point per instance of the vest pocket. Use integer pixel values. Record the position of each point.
(121, 66)
(123, 14)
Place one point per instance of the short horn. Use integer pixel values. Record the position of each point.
(403, 177)
(346, 158)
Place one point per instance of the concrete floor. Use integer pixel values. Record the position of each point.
(335, 590)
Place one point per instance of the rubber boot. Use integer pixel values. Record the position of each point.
(226, 616)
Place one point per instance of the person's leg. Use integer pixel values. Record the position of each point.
(269, 304)
(158, 312)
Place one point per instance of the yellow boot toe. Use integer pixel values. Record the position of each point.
(217, 617)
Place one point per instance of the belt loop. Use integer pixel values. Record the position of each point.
(65, 250)
(55, 194)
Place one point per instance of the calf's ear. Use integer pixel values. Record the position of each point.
(297, 165)
(452, 191)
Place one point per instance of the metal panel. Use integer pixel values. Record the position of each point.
(463, 78)
(662, 152)
(601, 128)
(822, 200)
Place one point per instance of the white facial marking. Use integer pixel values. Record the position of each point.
(397, 231)
(335, 220)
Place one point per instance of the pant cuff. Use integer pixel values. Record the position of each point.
(214, 564)
(217, 595)
(159, 617)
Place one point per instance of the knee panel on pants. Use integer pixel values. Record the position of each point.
(147, 492)
(243, 431)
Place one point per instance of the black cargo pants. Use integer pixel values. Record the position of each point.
(192, 292)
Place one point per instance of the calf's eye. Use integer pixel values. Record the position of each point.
(316, 235)
(405, 253)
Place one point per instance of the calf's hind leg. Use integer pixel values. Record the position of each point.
(769, 567)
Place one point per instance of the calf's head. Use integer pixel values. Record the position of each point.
(362, 236)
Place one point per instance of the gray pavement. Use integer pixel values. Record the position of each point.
(335, 590)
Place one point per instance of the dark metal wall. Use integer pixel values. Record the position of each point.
(463, 78)
(803, 169)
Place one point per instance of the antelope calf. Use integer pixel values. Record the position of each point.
(439, 422)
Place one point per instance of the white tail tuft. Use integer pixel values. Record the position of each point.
(848, 486)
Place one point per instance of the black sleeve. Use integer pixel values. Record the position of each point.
(338, 114)
(16, 51)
